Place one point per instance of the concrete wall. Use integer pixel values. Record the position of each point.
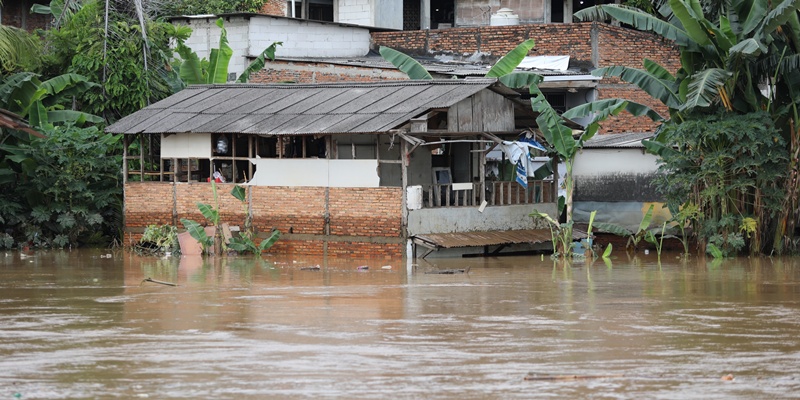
(612, 175)
(358, 12)
(249, 35)
(468, 219)
(478, 12)
(388, 14)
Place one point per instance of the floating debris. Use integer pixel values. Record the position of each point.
(386, 267)
(555, 377)
(314, 268)
(158, 282)
(362, 268)
(728, 377)
(449, 271)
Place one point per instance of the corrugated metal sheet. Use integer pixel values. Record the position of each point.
(284, 109)
(618, 140)
(487, 238)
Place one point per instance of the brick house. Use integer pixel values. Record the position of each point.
(351, 169)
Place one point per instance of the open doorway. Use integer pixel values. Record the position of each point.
(442, 14)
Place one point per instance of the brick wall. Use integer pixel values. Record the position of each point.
(274, 7)
(590, 45)
(364, 222)
(495, 41)
(377, 214)
(17, 14)
(304, 72)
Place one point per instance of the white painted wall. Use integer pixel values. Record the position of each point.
(315, 172)
(186, 145)
(301, 38)
(596, 162)
(469, 219)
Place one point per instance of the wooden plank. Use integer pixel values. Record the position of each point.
(465, 115)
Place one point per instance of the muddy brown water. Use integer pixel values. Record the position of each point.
(82, 325)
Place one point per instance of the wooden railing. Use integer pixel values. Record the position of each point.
(496, 194)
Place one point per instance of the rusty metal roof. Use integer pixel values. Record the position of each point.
(299, 109)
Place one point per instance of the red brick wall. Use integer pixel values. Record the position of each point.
(589, 45)
(148, 203)
(299, 209)
(551, 39)
(366, 211)
(274, 7)
(303, 72)
(359, 217)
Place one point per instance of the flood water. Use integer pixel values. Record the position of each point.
(83, 325)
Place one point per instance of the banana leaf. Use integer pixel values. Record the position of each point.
(197, 232)
(704, 88)
(405, 63)
(209, 212)
(661, 89)
(259, 62)
(219, 58)
(509, 62)
(239, 193)
(268, 242)
(520, 79)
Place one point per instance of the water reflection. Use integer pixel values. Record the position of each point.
(78, 325)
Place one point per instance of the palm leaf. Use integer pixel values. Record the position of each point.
(636, 18)
(405, 63)
(549, 122)
(259, 62)
(779, 16)
(191, 70)
(209, 212)
(239, 193)
(520, 79)
(608, 107)
(268, 242)
(70, 116)
(219, 58)
(657, 70)
(690, 21)
(663, 90)
(704, 88)
(18, 49)
(509, 62)
(648, 217)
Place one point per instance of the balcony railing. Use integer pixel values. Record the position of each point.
(496, 194)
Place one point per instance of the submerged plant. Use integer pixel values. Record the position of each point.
(633, 237)
(245, 242)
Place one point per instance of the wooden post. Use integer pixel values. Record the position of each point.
(404, 174)
(125, 143)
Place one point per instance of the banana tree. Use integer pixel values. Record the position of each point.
(739, 59)
(194, 70)
(563, 139)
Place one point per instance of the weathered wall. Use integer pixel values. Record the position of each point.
(312, 72)
(628, 178)
(469, 219)
(363, 222)
(249, 35)
(478, 12)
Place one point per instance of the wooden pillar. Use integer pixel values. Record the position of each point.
(404, 156)
(125, 142)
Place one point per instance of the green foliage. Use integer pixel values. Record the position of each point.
(245, 243)
(509, 62)
(164, 237)
(193, 70)
(65, 186)
(78, 47)
(728, 168)
(560, 234)
(198, 7)
(633, 237)
(19, 50)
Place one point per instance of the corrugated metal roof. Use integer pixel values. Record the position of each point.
(299, 109)
(618, 140)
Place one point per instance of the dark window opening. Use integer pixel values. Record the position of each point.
(442, 14)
